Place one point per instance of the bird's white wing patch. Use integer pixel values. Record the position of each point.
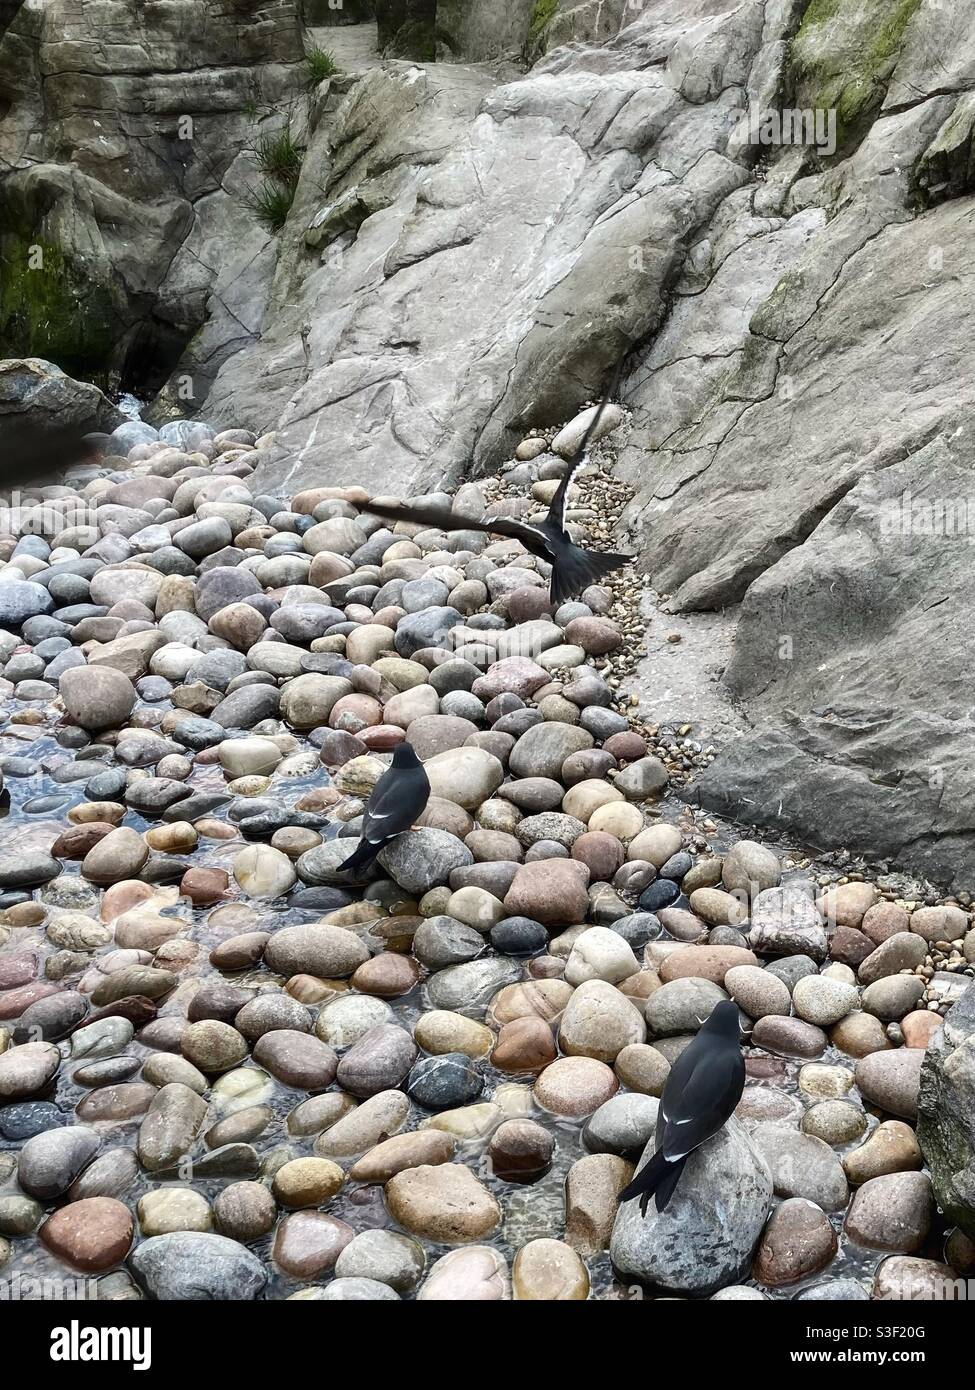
(573, 468)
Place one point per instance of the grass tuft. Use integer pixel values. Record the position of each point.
(321, 64)
(272, 203)
(278, 157)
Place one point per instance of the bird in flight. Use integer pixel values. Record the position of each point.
(397, 799)
(572, 567)
(700, 1094)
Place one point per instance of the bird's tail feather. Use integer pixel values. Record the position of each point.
(667, 1184)
(574, 570)
(363, 855)
(658, 1177)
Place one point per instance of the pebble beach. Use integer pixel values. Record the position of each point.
(228, 1069)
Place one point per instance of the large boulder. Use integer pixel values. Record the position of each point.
(946, 1113)
(705, 1237)
(44, 415)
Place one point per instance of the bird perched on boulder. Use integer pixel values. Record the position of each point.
(700, 1095)
(397, 799)
(572, 567)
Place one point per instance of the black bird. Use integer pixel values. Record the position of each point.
(700, 1094)
(397, 799)
(572, 567)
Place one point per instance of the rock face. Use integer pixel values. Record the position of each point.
(555, 242)
(130, 176)
(706, 1236)
(769, 278)
(427, 183)
(946, 1113)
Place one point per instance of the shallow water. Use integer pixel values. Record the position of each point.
(530, 1211)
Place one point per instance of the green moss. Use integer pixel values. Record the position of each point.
(50, 309)
(542, 15)
(843, 55)
(819, 12)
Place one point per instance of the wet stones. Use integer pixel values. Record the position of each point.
(119, 855)
(422, 1147)
(892, 1212)
(445, 1081)
(469, 988)
(26, 1070)
(379, 1061)
(550, 891)
(549, 1271)
(521, 1151)
(96, 697)
(798, 1241)
(477, 1273)
(307, 1182)
(891, 1148)
(600, 1022)
(263, 872)
(198, 1266)
(325, 951)
(383, 1257)
(92, 1235)
(425, 858)
(213, 1046)
(297, 1059)
(50, 1162)
(446, 1204)
(244, 1211)
(26, 868)
(170, 1127)
(891, 1080)
(575, 1086)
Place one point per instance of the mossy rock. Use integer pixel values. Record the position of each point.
(843, 56)
(541, 17)
(50, 308)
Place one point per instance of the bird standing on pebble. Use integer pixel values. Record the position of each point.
(700, 1095)
(573, 568)
(397, 799)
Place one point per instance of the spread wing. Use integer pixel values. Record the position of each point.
(556, 512)
(445, 520)
(697, 1103)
